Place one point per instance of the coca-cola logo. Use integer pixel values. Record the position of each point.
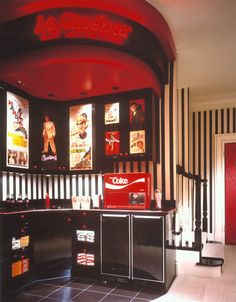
(119, 180)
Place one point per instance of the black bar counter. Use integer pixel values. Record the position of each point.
(122, 245)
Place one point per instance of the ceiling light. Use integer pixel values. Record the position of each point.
(20, 82)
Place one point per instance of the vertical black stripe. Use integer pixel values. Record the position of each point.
(171, 118)
(205, 144)
(163, 158)
(124, 166)
(77, 186)
(26, 185)
(154, 175)
(216, 122)
(131, 166)
(53, 186)
(183, 127)
(31, 186)
(14, 185)
(228, 120)
(59, 186)
(146, 166)
(42, 192)
(199, 144)
(20, 184)
(1, 185)
(8, 184)
(189, 182)
(117, 167)
(96, 184)
(234, 120)
(90, 184)
(188, 128)
(83, 184)
(64, 184)
(71, 185)
(210, 172)
(157, 119)
(37, 186)
(139, 166)
(47, 185)
(222, 120)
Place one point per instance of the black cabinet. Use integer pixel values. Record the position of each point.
(115, 244)
(15, 251)
(133, 246)
(52, 242)
(147, 248)
(85, 244)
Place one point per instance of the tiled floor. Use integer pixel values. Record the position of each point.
(77, 289)
(183, 289)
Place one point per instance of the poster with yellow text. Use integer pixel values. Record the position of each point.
(17, 131)
(81, 137)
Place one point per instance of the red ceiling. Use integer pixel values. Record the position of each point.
(66, 71)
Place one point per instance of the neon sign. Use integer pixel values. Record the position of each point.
(70, 25)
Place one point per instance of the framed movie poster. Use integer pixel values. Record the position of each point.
(112, 143)
(49, 145)
(81, 137)
(137, 114)
(112, 113)
(17, 132)
(137, 142)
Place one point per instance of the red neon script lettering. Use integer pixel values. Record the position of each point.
(74, 25)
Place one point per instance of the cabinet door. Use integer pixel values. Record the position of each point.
(147, 248)
(115, 245)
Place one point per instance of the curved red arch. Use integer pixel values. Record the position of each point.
(136, 10)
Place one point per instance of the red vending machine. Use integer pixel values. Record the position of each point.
(127, 191)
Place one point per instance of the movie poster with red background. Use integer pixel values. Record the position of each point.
(112, 143)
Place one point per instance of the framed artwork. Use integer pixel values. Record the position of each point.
(137, 143)
(137, 114)
(17, 132)
(112, 143)
(112, 113)
(81, 137)
(49, 146)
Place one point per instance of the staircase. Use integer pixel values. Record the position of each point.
(206, 262)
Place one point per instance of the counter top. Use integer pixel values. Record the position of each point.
(160, 212)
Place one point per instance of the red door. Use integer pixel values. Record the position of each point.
(230, 193)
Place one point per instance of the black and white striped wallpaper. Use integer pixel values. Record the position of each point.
(204, 125)
(196, 131)
(36, 186)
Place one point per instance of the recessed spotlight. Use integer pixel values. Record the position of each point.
(19, 82)
(115, 88)
(83, 92)
(51, 95)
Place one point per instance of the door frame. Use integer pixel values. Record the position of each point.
(219, 184)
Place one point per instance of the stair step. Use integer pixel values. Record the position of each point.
(213, 250)
(211, 261)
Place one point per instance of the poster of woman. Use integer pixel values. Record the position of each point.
(81, 137)
(17, 131)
